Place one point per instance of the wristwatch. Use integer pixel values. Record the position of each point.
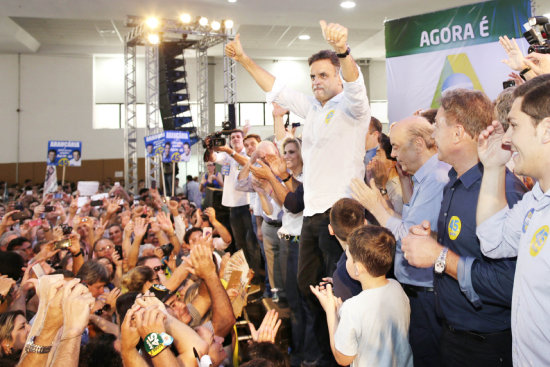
(344, 54)
(30, 347)
(441, 262)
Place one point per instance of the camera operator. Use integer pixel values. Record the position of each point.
(237, 201)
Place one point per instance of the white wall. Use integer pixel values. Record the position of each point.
(8, 108)
(57, 99)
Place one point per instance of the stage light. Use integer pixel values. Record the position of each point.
(232, 1)
(228, 24)
(215, 25)
(185, 18)
(347, 4)
(203, 21)
(152, 22)
(304, 37)
(153, 38)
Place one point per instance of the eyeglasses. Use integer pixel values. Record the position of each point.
(104, 248)
(105, 308)
(159, 268)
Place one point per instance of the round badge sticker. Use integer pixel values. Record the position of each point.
(538, 241)
(63, 162)
(454, 227)
(527, 219)
(329, 116)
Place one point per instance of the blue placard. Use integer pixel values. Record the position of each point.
(154, 144)
(64, 153)
(177, 147)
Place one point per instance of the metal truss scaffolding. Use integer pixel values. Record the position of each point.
(130, 124)
(152, 122)
(202, 94)
(198, 37)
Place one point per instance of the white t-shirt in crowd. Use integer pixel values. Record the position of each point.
(374, 326)
(230, 169)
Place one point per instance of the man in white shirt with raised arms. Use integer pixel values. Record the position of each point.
(336, 122)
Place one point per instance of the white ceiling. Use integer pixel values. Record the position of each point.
(268, 28)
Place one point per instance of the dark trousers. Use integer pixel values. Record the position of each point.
(244, 237)
(424, 330)
(461, 348)
(295, 302)
(319, 253)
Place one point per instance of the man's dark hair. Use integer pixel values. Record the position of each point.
(100, 351)
(190, 232)
(17, 242)
(237, 131)
(373, 247)
(92, 272)
(375, 125)
(253, 136)
(470, 108)
(346, 215)
(76, 150)
(11, 264)
(429, 115)
(325, 55)
(385, 145)
(265, 354)
(536, 98)
(124, 303)
(52, 150)
(503, 104)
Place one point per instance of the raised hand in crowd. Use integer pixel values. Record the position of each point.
(538, 63)
(267, 332)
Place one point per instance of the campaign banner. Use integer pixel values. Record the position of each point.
(177, 147)
(64, 153)
(454, 48)
(154, 144)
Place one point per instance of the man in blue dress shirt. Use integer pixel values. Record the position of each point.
(473, 293)
(415, 150)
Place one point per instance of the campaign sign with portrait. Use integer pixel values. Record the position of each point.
(177, 147)
(154, 144)
(64, 153)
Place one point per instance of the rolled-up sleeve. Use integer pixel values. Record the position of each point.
(355, 93)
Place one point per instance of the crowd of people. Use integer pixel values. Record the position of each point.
(424, 246)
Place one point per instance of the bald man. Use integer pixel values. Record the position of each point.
(416, 152)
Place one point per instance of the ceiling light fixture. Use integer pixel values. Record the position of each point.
(152, 22)
(228, 24)
(304, 37)
(232, 1)
(185, 18)
(215, 25)
(153, 38)
(203, 21)
(347, 4)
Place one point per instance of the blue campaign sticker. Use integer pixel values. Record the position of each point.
(527, 219)
(177, 147)
(64, 153)
(538, 241)
(329, 116)
(154, 144)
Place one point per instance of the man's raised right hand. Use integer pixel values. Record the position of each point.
(234, 49)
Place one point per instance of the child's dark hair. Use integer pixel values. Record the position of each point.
(346, 215)
(373, 247)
